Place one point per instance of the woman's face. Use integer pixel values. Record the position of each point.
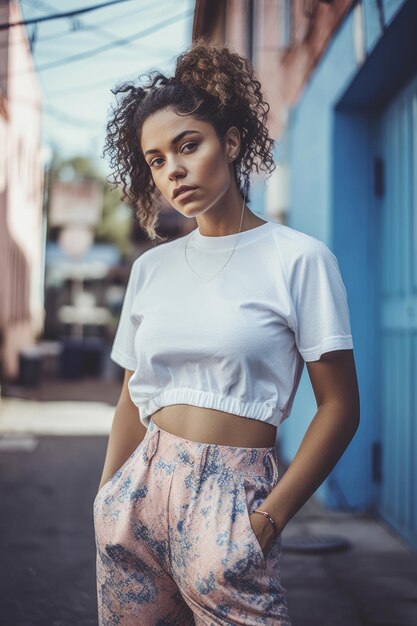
(181, 150)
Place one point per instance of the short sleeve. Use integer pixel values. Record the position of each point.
(123, 349)
(322, 319)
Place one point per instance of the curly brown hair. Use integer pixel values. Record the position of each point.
(211, 83)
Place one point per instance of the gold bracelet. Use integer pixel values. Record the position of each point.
(268, 517)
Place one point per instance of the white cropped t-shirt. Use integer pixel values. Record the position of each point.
(237, 342)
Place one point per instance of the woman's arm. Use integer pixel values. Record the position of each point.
(126, 433)
(333, 426)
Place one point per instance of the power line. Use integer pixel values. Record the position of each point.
(104, 48)
(82, 25)
(99, 32)
(102, 83)
(140, 10)
(93, 126)
(116, 42)
(86, 27)
(57, 16)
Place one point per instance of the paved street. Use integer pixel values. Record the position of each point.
(47, 576)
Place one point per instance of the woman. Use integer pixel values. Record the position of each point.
(213, 335)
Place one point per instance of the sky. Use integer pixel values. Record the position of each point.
(76, 96)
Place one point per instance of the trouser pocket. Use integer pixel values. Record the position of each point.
(253, 493)
(142, 455)
(119, 472)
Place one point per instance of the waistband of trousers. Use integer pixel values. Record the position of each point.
(215, 458)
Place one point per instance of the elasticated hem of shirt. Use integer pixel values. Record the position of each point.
(263, 411)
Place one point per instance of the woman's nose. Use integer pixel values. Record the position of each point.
(175, 169)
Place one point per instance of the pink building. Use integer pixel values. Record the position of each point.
(284, 39)
(21, 193)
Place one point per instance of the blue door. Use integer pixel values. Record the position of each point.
(396, 193)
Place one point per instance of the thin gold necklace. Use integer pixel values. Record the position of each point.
(234, 247)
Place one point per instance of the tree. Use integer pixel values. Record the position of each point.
(115, 224)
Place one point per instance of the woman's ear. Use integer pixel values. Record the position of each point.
(232, 142)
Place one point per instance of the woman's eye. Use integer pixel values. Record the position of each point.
(154, 160)
(189, 143)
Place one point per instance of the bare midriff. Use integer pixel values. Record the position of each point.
(212, 426)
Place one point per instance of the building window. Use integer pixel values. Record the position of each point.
(285, 24)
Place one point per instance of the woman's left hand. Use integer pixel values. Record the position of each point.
(263, 530)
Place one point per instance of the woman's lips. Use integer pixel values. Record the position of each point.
(184, 194)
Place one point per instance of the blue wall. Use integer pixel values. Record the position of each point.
(330, 163)
(257, 195)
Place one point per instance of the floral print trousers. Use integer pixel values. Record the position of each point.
(174, 541)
